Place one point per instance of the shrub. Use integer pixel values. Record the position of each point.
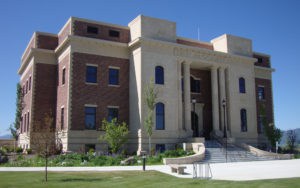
(19, 150)
(29, 151)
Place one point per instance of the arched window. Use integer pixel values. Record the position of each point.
(160, 116)
(159, 75)
(243, 120)
(242, 85)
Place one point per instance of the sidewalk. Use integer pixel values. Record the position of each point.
(239, 171)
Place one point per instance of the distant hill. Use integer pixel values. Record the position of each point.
(284, 137)
(5, 136)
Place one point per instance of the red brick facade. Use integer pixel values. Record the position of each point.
(204, 97)
(64, 33)
(100, 94)
(80, 29)
(265, 106)
(47, 42)
(45, 93)
(262, 61)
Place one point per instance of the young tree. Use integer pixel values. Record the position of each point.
(44, 139)
(18, 115)
(272, 133)
(291, 139)
(115, 134)
(150, 95)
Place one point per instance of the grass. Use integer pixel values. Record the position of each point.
(126, 179)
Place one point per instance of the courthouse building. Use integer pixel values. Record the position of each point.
(92, 71)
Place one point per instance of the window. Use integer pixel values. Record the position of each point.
(260, 125)
(160, 148)
(259, 60)
(242, 85)
(159, 75)
(26, 87)
(160, 116)
(195, 85)
(112, 113)
(29, 87)
(114, 33)
(63, 81)
(243, 120)
(92, 30)
(27, 127)
(62, 118)
(261, 93)
(90, 117)
(113, 76)
(91, 74)
(25, 123)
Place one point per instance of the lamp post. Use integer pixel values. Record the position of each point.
(225, 131)
(194, 117)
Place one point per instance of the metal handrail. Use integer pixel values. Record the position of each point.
(203, 170)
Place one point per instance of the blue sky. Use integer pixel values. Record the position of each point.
(274, 27)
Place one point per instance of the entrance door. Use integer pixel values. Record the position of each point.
(195, 126)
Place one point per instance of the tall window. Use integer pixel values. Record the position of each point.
(26, 87)
(25, 122)
(90, 117)
(63, 81)
(113, 76)
(242, 85)
(112, 113)
(160, 116)
(160, 148)
(159, 75)
(261, 93)
(243, 120)
(114, 33)
(92, 30)
(29, 87)
(27, 127)
(91, 74)
(195, 85)
(62, 118)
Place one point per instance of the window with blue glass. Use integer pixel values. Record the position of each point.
(242, 85)
(112, 113)
(160, 116)
(113, 76)
(90, 117)
(261, 93)
(159, 75)
(243, 120)
(195, 85)
(260, 125)
(160, 148)
(91, 74)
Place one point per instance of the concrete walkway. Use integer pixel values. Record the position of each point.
(239, 171)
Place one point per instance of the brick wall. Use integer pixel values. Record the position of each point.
(100, 94)
(45, 93)
(62, 91)
(268, 102)
(195, 44)
(27, 97)
(204, 97)
(80, 29)
(47, 42)
(265, 61)
(64, 33)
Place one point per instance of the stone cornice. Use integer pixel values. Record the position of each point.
(98, 41)
(265, 68)
(32, 53)
(198, 54)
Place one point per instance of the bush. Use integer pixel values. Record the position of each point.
(19, 150)
(29, 151)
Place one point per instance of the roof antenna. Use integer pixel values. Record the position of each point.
(198, 34)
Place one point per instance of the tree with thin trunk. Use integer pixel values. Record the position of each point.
(291, 139)
(45, 140)
(150, 101)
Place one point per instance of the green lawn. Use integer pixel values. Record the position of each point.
(125, 179)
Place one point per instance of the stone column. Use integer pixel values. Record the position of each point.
(180, 101)
(222, 94)
(215, 98)
(187, 96)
